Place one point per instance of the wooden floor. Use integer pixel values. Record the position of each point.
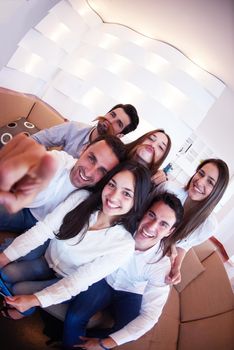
(22, 334)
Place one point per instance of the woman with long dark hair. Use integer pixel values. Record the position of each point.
(199, 197)
(151, 149)
(89, 239)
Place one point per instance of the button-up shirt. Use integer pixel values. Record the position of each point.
(143, 274)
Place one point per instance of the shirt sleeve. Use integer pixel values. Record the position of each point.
(86, 275)
(153, 301)
(54, 136)
(200, 235)
(45, 229)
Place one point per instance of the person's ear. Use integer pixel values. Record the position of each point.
(120, 135)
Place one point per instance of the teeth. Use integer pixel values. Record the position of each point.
(111, 205)
(198, 189)
(83, 177)
(146, 234)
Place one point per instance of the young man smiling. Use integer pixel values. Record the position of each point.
(136, 292)
(72, 136)
(96, 160)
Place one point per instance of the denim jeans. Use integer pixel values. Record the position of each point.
(124, 307)
(19, 222)
(28, 277)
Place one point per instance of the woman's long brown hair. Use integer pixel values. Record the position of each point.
(200, 211)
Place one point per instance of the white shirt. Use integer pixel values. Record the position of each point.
(203, 232)
(142, 274)
(58, 189)
(99, 253)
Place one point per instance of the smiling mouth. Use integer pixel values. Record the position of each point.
(146, 234)
(111, 205)
(197, 189)
(82, 176)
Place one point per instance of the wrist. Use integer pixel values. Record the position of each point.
(100, 342)
(107, 343)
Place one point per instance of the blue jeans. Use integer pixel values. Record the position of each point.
(28, 277)
(124, 307)
(19, 222)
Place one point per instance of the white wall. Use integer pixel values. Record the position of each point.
(217, 127)
(16, 18)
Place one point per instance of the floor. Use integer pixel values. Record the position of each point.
(22, 334)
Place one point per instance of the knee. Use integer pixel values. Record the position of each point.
(76, 317)
(9, 274)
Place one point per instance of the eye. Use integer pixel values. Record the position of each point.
(210, 182)
(150, 214)
(111, 184)
(127, 194)
(102, 171)
(91, 159)
(161, 148)
(163, 224)
(120, 124)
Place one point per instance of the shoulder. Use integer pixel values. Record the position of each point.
(62, 157)
(78, 125)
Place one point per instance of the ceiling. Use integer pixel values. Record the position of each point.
(203, 30)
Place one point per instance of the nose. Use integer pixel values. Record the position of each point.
(153, 226)
(202, 181)
(91, 172)
(114, 195)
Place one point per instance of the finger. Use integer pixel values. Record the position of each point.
(9, 201)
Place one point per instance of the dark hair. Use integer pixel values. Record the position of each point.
(78, 218)
(131, 148)
(175, 204)
(117, 146)
(199, 212)
(131, 111)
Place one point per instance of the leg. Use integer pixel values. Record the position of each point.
(16, 275)
(18, 222)
(125, 307)
(81, 308)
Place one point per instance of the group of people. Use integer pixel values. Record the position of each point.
(97, 223)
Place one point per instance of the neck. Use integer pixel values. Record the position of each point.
(94, 134)
(103, 221)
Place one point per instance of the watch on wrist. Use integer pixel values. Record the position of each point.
(101, 344)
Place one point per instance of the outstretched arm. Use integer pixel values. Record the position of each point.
(25, 169)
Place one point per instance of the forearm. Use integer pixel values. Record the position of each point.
(179, 258)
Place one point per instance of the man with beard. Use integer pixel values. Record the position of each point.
(72, 136)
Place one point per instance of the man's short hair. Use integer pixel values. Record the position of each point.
(131, 111)
(117, 146)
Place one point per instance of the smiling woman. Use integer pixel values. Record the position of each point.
(89, 238)
(199, 197)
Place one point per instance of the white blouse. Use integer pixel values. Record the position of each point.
(98, 254)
